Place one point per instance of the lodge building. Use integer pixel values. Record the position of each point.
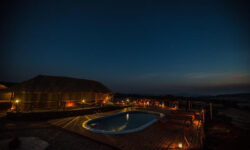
(53, 92)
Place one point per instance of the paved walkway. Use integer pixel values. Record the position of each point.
(57, 138)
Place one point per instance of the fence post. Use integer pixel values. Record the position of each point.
(203, 115)
(211, 111)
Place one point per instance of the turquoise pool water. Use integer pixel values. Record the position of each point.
(124, 122)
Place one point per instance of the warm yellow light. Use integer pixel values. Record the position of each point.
(83, 101)
(127, 116)
(107, 98)
(17, 101)
(128, 100)
(163, 106)
(180, 145)
(196, 122)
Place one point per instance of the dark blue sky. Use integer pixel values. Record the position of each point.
(153, 47)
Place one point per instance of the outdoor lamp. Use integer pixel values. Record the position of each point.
(180, 145)
(17, 101)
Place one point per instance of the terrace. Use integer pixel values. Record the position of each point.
(170, 135)
(179, 129)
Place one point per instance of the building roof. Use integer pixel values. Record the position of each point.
(44, 83)
(2, 87)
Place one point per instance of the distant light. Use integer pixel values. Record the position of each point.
(107, 98)
(196, 122)
(128, 100)
(70, 104)
(180, 145)
(17, 101)
(83, 101)
(13, 107)
(162, 105)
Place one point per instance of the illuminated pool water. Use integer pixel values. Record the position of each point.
(120, 123)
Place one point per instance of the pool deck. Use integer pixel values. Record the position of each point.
(154, 137)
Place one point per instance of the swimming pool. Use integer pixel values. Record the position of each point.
(124, 122)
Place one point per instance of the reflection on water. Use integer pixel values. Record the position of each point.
(120, 128)
(93, 124)
(127, 116)
(124, 121)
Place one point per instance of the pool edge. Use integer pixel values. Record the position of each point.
(85, 126)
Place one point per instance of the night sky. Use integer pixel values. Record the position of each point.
(147, 47)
